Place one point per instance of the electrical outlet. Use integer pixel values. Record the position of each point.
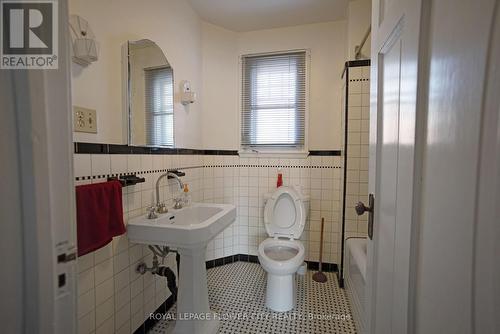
(84, 120)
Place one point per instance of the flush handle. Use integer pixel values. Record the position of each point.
(361, 208)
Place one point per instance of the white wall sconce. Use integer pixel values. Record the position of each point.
(85, 47)
(187, 96)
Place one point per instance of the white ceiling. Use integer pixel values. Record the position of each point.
(248, 15)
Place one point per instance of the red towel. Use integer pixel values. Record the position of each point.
(99, 215)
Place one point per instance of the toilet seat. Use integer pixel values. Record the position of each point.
(284, 214)
(281, 256)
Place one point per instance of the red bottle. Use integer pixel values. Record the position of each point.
(279, 183)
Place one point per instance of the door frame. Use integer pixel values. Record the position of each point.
(39, 111)
(487, 230)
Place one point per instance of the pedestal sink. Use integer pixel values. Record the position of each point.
(188, 230)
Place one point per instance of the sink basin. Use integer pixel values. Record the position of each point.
(188, 230)
(193, 226)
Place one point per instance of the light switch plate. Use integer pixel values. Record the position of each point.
(84, 120)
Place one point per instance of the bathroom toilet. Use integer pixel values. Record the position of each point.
(282, 254)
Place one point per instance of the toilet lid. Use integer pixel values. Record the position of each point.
(284, 214)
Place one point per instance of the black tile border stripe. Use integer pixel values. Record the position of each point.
(354, 80)
(357, 63)
(334, 153)
(98, 148)
(270, 166)
(101, 148)
(105, 176)
(156, 316)
(220, 152)
(311, 265)
(326, 267)
(92, 148)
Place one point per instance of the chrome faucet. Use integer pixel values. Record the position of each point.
(175, 176)
(160, 206)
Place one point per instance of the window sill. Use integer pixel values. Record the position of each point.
(274, 154)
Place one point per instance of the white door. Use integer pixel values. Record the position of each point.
(395, 36)
(37, 229)
(457, 285)
(432, 266)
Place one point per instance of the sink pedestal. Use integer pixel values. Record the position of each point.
(193, 312)
(189, 230)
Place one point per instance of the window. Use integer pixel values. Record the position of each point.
(159, 106)
(273, 100)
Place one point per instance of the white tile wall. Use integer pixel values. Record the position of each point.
(113, 298)
(244, 182)
(357, 149)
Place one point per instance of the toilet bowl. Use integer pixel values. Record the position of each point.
(281, 255)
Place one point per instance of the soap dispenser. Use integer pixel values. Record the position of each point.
(187, 195)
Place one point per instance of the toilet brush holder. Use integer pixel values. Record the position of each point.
(302, 269)
(320, 277)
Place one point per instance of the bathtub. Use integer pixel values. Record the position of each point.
(355, 279)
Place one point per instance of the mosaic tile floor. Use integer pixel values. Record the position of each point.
(237, 292)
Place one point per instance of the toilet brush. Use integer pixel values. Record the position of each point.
(319, 276)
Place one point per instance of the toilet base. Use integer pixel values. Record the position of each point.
(280, 292)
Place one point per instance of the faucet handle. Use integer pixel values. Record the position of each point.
(152, 212)
(161, 208)
(178, 203)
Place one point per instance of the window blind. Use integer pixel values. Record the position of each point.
(159, 106)
(273, 100)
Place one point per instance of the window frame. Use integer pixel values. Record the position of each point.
(270, 150)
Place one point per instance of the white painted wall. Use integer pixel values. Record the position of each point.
(207, 55)
(358, 20)
(221, 48)
(326, 42)
(173, 25)
(220, 88)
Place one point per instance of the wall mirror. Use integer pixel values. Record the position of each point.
(149, 94)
